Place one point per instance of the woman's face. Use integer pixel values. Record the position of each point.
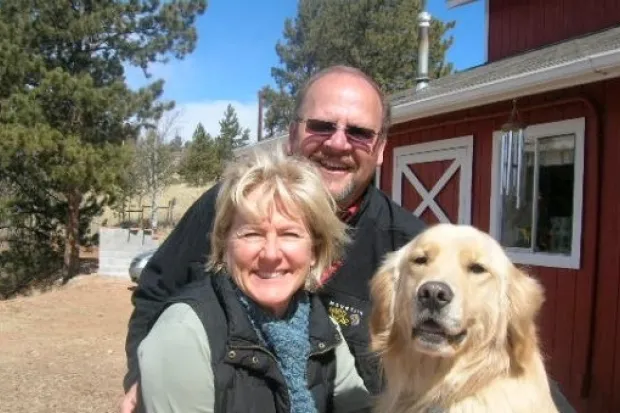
(270, 260)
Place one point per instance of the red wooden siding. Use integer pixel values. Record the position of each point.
(519, 25)
(607, 336)
(580, 321)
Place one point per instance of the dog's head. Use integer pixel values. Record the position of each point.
(453, 289)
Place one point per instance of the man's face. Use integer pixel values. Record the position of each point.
(346, 158)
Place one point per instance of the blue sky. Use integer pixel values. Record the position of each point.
(236, 50)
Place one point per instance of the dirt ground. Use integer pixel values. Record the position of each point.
(63, 351)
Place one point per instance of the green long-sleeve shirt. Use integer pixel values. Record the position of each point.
(176, 374)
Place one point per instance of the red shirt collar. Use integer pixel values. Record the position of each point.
(345, 216)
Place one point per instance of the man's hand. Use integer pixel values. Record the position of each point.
(130, 400)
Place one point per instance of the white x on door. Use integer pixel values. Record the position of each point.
(437, 179)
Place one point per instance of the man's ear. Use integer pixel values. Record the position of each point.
(291, 141)
(380, 149)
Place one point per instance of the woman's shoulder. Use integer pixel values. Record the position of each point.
(177, 323)
(177, 327)
(178, 313)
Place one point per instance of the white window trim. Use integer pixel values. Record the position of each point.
(572, 126)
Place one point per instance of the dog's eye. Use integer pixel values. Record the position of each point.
(476, 268)
(421, 260)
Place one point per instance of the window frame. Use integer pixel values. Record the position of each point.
(574, 127)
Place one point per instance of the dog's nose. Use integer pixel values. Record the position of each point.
(435, 295)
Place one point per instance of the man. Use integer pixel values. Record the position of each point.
(341, 122)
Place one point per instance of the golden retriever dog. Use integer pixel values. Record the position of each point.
(453, 321)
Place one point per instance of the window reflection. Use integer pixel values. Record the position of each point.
(543, 223)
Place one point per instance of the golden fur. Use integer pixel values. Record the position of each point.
(477, 353)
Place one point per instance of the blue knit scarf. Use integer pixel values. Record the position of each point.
(288, 338)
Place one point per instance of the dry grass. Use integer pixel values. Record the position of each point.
(63, 351)
(184, 194)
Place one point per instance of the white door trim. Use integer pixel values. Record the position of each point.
(460, 150)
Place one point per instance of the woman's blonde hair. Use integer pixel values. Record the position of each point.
(288, 183)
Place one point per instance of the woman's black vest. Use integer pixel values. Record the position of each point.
(247, 377)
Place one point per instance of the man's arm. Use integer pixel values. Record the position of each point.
(561, 402)
(167, 271)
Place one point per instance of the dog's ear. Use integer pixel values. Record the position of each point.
(382, 287)
(526, 296)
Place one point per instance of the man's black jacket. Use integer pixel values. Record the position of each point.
(380, 226)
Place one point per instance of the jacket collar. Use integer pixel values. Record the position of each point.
(352, 214)
(323, 333)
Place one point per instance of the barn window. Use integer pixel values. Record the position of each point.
(544, 228)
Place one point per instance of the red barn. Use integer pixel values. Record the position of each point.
(560, 60)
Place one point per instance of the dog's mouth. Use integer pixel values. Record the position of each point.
(432, 332)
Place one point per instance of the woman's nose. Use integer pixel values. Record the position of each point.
(271, 248)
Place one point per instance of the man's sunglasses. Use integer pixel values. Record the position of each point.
(327, 128)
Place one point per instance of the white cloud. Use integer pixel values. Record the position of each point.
(173, 73)
(209, 113)
(178, 77)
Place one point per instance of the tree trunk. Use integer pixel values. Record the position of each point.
(72, 251)
(154, 210)
(154, 183)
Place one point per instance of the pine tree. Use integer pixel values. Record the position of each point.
(231, 136)
(229, 130)
(378, 36)
(176, 144)
(65, 110)
(200, 164)
(242, 140)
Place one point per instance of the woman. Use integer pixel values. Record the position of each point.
(251, 336)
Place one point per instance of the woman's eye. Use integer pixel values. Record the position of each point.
(250, 235)
(291, 234)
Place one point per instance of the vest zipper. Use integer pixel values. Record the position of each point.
(264, 350)
(270, 354)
